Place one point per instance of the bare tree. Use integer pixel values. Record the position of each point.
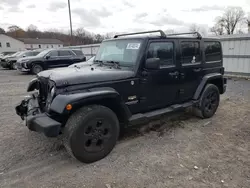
(169, 31)
(218, 28)
(248, 22)
(13, 28)
(194, 28)
(32, 27)
(2, 31)
(198, 28)
(231, 18)
(15, 31)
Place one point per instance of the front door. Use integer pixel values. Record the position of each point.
(191, 68)
(53, 59)
(160, 87)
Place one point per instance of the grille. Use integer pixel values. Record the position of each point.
(45, 86)
(43, 90)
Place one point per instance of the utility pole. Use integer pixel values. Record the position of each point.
(71, 32)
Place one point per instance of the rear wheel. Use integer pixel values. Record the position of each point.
(91, 133)
(209, 101)
(36, 68)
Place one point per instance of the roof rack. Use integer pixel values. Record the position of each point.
(155, 31)
(197, 33)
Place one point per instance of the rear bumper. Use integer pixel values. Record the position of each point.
(224, 85)
(35, 120)
(5, 64)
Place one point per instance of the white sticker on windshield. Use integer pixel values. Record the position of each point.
(133, 46)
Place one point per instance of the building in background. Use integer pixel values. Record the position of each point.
(236, 53)
(9, 44)
(36, 43)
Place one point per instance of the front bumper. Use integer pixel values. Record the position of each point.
(36, 120)
(20, 67)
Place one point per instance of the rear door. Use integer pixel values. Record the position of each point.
(66, 58)
(191, 67)
(160, 87)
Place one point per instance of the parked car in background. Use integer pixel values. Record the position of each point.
(49, 58)
(3, 54)
(6, 57)
(80, 54)
(10, 62)
(88, 62)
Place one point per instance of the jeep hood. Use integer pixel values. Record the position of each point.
(85, 74)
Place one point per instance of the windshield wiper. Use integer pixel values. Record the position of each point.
(115, 63)
(99, 61)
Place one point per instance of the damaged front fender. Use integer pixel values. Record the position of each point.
(33, 85)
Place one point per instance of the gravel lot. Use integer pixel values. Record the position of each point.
(182, 152)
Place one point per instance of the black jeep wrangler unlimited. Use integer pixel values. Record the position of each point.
(131, 80)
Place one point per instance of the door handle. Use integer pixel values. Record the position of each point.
(197, 70)
(176, 73)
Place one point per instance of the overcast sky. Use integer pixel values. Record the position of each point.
(101, 16)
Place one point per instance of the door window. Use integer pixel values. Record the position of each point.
(53, 54)
(212, 51)
(64, 53)
(162, 50)
(190, 52)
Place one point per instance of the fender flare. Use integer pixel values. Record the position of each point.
(78, 100)
(32, 85)
(204, 81)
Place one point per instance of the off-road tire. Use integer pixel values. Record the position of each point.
(36, 68)
(210, 99)
(76, 139)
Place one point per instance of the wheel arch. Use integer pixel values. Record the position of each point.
(107, 97)
(213, 78)
(36, 62)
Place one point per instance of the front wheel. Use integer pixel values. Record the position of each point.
(91, 133)
(36, 69)
(209, 101)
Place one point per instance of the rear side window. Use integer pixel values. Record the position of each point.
(35, 53)
(78, 52)
(64, 53)
(53, 53)
(212, 51)
(190, 52)
(162, 50)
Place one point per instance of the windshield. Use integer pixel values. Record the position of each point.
(43, 53)
(15, 54)
(91, 59)
(124, 52)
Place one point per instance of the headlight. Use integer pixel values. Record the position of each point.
(52, 91)
(24, 61)
(25, 65)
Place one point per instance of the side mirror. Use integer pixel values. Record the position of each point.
(47, 56)
(152, 63)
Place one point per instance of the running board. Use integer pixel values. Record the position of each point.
(146, 117)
